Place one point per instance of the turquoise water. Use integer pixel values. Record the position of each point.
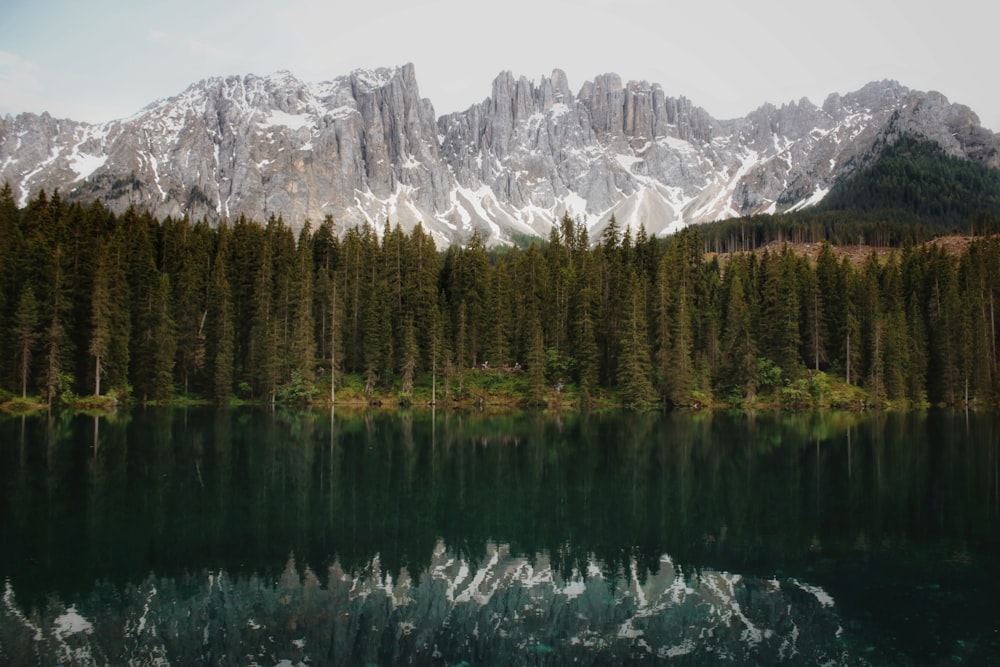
(252, 537)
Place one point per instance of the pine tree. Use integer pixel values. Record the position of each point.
(831, 294)
(377, 342)
(475, 278)
(460, 352)
(11, 247)
(912, 273)
(351, 279)
(635, 364)
(611, 272)
(409, 356)
(425, 265)
(285, 284)
(674, 312)
(557, 299)
(611, 236)
(708, 323)
(585, 307)
(394, 265)
(163, 333)
(79, 247)
(242, 248)
(55, 351)
(220, 322)
(101, 319)
(813, 303)
(872, 328)
(326, 250)
(530, 300)
(302, 344)
(57, 344)
(441, 353)
(738, 346)
(150, 309)
(186, 256)
(536, 363)
(262, 351)
(115, 362)
(498, 348)
(336, 351)
(897, 347)
(26, 334)
(327, 310)
(781, 310)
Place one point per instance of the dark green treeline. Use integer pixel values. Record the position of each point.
(93, 302)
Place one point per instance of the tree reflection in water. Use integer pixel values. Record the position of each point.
(481, 536)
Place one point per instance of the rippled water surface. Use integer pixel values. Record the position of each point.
(188, 537)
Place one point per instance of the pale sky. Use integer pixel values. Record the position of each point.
(101, 60)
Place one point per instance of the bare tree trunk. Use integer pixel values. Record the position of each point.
(333, 346)
(993, 336)
(848, 354)
(25, 357)
(816, 328)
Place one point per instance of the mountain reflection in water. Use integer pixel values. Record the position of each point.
(158, 537)
(502, 610)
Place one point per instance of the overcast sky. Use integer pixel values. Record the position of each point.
(100, 60)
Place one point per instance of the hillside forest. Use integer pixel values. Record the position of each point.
(96, 303)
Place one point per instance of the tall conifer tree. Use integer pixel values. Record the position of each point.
(634, 364)
(26, 334)
(220, 322)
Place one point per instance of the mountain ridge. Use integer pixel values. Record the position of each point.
(366, 147)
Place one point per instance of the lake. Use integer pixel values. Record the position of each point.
(246, 536)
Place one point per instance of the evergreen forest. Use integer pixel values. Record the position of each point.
(128, 306)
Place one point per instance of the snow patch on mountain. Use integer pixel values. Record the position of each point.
(84, 165)
(279, 118)
(366, 147)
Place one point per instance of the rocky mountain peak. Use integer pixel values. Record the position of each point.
(366, 147)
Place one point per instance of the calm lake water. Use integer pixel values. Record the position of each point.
(189, 537)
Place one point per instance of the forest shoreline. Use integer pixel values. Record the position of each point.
(126, 308)
(476, 395)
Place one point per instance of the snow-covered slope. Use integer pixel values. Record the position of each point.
(367, 147)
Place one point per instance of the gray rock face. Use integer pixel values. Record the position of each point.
(251, 145)
(367, 147)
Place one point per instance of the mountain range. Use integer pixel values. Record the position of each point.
(367, 147)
